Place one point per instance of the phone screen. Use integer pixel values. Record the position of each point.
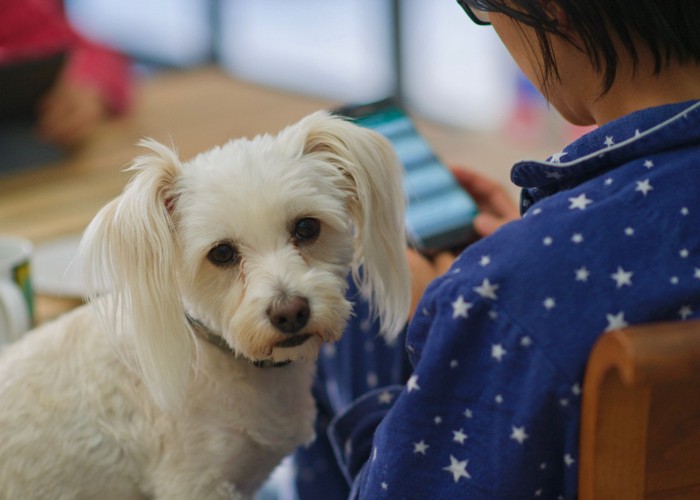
(439, 212)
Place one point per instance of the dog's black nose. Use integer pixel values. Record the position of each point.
(291, 315)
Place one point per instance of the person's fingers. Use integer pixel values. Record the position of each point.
(489, 195)
(65, 129)
(485, 224)
(67, 115)
(477, 184)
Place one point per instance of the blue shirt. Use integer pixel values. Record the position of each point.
(610, 236)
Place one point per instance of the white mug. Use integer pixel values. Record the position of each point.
(16, 294)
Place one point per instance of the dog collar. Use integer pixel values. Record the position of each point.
(207, 334)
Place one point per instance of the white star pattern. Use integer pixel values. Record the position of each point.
(609, 141)
(616, 321)
(582, 274)
(643, 187)
(487, 290)
(458, 469)
(579, 202)
(685, 312)
(385, 397)
(384, 485)
(497, 352)
(556, 158)
(622, 277)
(519, 434)
(412, 384)
(420, 447)
(513, 295)
(459, 436)
(460, 308)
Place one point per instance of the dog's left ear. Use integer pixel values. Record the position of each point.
(130, 251)
(377, 204)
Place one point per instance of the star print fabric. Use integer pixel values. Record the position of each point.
(609, 238)
(348, 373)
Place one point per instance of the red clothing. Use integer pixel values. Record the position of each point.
(31, 28)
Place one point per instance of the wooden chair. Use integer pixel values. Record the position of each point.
(640, 421)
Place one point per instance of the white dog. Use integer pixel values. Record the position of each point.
(191, 379)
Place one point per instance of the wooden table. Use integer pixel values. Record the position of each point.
(194, 110)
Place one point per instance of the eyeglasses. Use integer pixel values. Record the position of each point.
(476, 11)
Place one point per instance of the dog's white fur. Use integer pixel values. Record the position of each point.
(123, 399)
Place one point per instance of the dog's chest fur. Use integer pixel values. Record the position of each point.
(125, 442)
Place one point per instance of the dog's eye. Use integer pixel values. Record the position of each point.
(223, 254)
(307, 229)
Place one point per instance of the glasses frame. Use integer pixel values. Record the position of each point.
(472, 9)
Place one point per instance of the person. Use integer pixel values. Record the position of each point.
(94, 85)
(489, 406)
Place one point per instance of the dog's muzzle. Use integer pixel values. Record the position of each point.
(290, 316)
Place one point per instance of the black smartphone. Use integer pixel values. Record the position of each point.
(439, 212)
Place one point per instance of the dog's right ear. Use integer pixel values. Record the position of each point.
(129, 250)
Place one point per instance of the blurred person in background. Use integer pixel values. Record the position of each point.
(93, 85)
(484, 402)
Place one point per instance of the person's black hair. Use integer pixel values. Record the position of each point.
(670, 29)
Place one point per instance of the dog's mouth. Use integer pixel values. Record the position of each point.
(294, 341)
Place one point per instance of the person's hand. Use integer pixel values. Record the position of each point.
(496, 207)
(69, 112)
(423, 271)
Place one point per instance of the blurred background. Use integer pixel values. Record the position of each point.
(429, 54)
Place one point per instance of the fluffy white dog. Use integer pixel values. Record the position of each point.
(191, 378)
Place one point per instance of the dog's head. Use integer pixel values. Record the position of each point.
(255, 240)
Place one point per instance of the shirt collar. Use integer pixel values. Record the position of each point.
(636, 135)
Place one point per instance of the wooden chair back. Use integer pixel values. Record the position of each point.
(640, 420)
